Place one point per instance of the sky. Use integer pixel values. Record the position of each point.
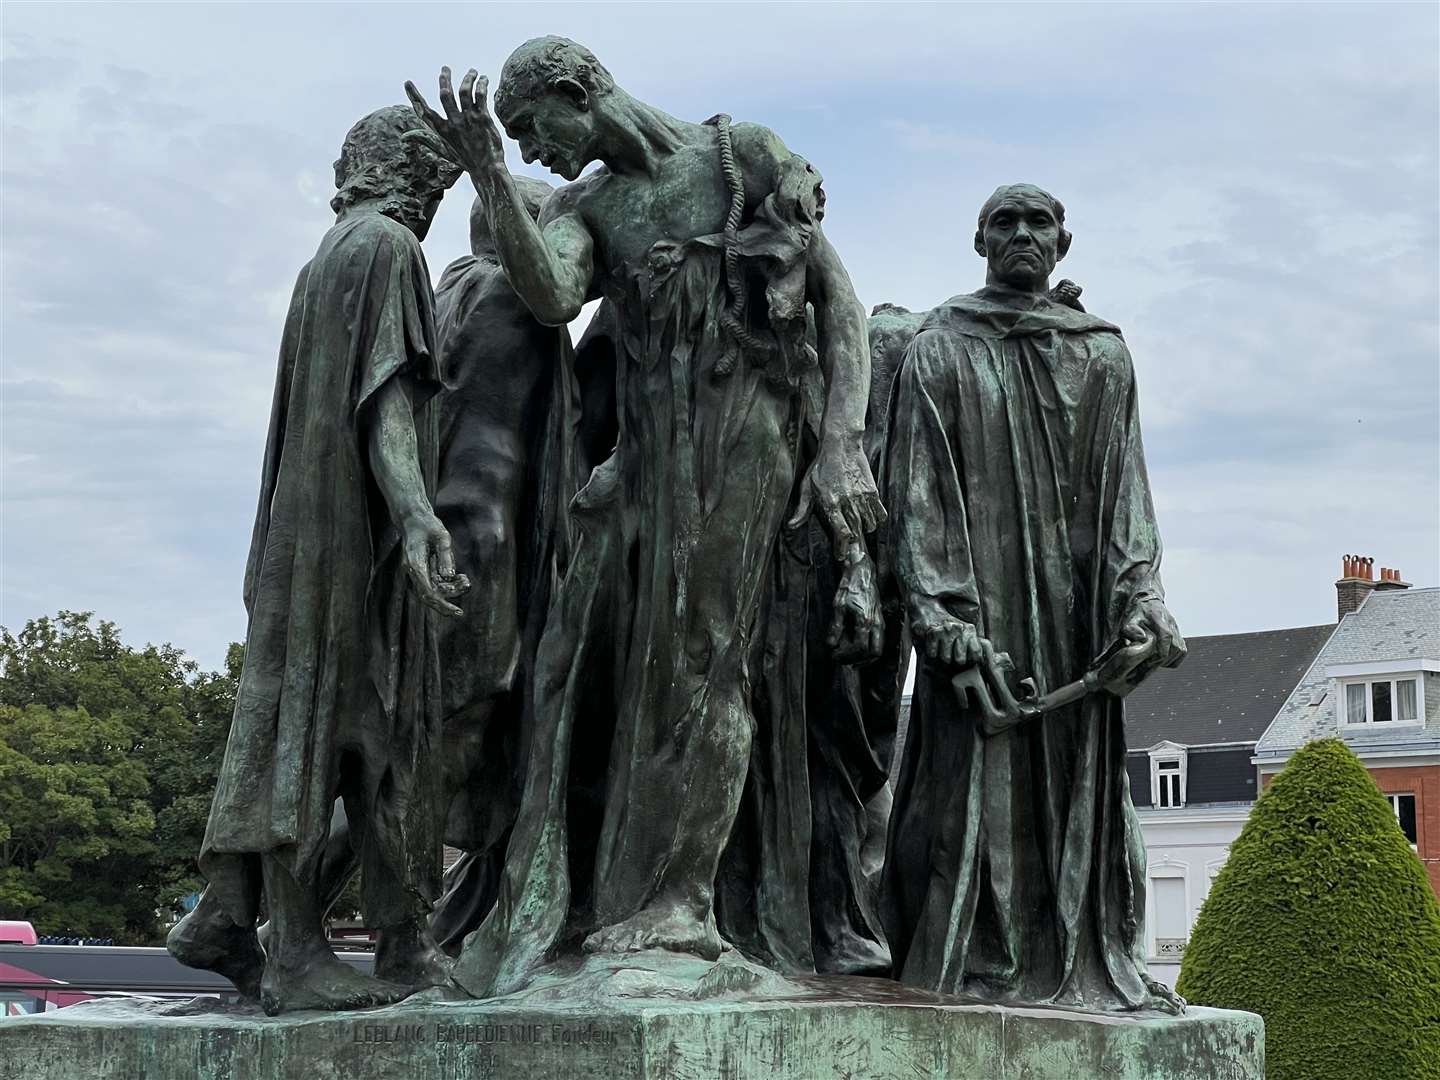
(1252, 191)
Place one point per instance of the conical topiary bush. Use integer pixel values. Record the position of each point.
(1324, 923)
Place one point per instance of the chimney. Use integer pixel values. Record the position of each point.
(1390, 581)
(1357, 581)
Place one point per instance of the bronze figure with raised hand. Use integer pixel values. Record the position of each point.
(1025, 544)
(348, 566)
(705, 240)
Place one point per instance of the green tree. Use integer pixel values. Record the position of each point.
(108, 757)
(1324, 923)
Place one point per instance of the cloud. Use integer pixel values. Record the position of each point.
(1251, 190)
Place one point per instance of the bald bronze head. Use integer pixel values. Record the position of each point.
(1021, 236)
(546, 99)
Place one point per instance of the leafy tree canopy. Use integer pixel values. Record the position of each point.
(108, 758)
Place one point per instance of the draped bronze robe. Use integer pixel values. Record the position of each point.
(340, 661)
(1019, 502)
(648, 640)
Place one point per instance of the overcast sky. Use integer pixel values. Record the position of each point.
(1252, 192)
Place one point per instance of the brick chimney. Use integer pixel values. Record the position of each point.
(1390, 580)
(1357, 581)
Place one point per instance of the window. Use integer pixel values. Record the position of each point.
(1169, 767)
(1172, 918)
(1404, 807)
(1167, 775)
(1383, 701)
(1406, 700)
(1355, 703)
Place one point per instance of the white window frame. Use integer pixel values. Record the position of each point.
(1342, 704)
(1166, 867)
(1168, 751)
(1393, 798)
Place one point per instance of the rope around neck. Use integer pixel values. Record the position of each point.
(732, 318)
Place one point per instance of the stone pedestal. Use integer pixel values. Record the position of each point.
(640, 1030)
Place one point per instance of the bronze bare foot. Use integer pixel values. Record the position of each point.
(208, 939)
(317, 979)
(674, 926)
(1163, 998)
(407, 954)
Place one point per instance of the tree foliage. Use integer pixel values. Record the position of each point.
(1324, 923)
(108, 758)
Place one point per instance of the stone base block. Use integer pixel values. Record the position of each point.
(831, 1028)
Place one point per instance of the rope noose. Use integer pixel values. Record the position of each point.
(732, 318)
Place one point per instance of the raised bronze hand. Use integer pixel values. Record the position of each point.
(467, 127)
(1068, 293)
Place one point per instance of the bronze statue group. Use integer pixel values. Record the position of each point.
(628, 622)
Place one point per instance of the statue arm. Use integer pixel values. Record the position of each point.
(549, 264)
(395, 461)
(840, 479)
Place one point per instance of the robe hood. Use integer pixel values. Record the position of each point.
(999, 312)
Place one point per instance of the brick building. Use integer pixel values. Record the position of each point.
(1376, 684)
(1203, 738)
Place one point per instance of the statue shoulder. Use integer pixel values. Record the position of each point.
(369, 231)
(762, 154)
(574, 199)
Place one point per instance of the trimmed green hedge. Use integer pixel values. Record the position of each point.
(1324, 923)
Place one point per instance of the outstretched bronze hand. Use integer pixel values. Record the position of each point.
(467, 127)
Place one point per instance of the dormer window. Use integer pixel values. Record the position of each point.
(1382, 701)
(1168, 769)
(1167, 781)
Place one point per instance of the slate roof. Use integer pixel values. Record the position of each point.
(1227, 690)
(1392, 625)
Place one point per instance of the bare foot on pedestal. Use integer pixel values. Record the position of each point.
(320, 980)
(407, 954)
(674, 926)
(1163, 998)
(206, 938)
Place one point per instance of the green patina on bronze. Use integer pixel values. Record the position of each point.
(1024, 543)
(705, 242)
(664, 722)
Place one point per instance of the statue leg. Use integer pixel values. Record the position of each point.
(209, 939)
(680, 915)
(301, 971)
(699, 789)
(405, 951)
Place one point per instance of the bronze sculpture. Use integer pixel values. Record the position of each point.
(706, 240)
(339, 692)
(1025, 542)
